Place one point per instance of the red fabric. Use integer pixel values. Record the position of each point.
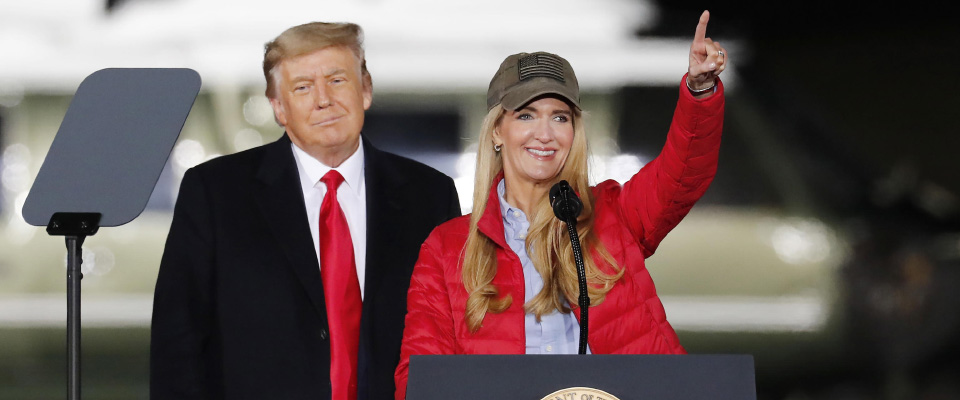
(341, 290)
(630, 220)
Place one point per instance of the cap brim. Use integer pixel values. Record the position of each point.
(525, 92)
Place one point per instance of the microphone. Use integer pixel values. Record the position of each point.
(567, 207)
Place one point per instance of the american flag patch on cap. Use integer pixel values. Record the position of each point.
(541, 65)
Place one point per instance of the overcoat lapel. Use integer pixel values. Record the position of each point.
(281, 202)
(383, 216)
(383, 211)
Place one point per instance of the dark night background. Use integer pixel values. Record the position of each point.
(881, 79)
(872, 89)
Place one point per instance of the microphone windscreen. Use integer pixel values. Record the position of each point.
(564, 201)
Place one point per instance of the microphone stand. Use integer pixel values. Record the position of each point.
(567, 207)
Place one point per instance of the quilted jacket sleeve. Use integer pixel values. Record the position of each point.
(429, 327)
(654, 200)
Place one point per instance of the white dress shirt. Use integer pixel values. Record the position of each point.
(352, 196)
(556, 333)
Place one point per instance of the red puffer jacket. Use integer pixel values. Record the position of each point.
(631, 220)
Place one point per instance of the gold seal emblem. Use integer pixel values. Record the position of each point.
(580, 393)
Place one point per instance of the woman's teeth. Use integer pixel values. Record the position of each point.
(542, 153)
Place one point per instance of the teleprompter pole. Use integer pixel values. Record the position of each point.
(74, 259)
(75, 227)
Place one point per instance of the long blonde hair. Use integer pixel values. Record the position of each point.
(553, 257)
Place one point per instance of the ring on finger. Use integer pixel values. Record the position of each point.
(719, 53)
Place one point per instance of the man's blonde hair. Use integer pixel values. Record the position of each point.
(310, 37)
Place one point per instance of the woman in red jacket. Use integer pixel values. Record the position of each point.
(503, 279)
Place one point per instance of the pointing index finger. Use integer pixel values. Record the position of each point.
(702, 27)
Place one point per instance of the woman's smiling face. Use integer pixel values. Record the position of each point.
(536, 140)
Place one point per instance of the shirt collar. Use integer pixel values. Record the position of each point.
(512, 216)
(351, 168)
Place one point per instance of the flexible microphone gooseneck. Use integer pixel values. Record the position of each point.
(567, 207)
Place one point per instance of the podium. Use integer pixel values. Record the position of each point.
(579, 377)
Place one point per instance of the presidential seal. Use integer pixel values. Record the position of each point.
(580, 393)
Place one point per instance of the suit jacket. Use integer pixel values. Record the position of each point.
(239, 308)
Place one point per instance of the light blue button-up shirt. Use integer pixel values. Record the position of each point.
(556, 333)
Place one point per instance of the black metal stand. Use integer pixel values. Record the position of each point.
(567, 207)
(105, 162)
(76, 227)
(584, 300)
(74, 259)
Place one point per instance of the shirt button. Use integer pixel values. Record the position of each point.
(516, 213)
(522, 236)
(549, 348)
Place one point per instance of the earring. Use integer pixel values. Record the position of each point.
(496, 148)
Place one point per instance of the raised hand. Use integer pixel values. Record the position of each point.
(707, 58)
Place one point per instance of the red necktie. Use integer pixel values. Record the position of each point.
(341, 290)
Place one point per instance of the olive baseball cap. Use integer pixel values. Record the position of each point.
(525, 76)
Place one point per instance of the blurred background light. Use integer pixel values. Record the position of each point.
(746, 314)
(247, 138)
(19, 232)
(413, 45)
(619, 167)
(96, 261)
(11, 92)
(802, 242)
(14, 170)
(187, 154)
(257, 110)
(464, 180)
